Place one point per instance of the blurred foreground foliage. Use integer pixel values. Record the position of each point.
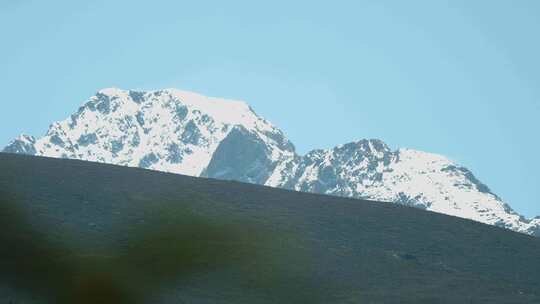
(174, 246)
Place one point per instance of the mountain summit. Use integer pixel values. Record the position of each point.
(182, 132)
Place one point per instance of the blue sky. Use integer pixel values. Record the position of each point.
(458, 78)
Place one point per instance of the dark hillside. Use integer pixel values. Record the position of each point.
(69, 227)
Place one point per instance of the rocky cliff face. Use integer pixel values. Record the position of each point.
(183, 132)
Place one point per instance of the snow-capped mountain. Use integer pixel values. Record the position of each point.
(369, 169)
(183, 132)
(168, 130)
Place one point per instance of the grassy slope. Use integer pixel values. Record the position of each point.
(289, 247)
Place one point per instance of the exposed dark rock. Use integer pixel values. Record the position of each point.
(87, 139)
(148, 160)
(241, 156)
(191, 134)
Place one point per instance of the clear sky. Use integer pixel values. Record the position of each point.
(458, 78)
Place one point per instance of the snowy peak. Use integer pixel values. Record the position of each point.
(368, 169)
(24, 144)
(183, 132)
(223, 111)
(169, 130)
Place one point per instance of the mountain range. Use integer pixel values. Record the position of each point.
(183, 132)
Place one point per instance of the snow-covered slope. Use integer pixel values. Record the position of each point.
(369, 169)
(183, 132)
(167, 130)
